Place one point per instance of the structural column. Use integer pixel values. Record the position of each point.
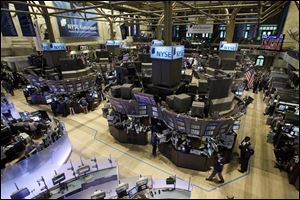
(168, 23)
(48, 22)
(231, 25)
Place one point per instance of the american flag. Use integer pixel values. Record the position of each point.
(250, 75)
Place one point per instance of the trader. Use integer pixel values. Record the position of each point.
(246, 152)
(218, 168)
(154, 142)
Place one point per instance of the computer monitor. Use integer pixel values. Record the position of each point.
(58, 178)
(98, 195)
(121, 190)
(281, 108)
(132, 192)
(20, 194)
(83, 169)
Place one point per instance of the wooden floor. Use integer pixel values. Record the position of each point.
(89, 136)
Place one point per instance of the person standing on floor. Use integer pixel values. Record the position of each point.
(154, 142)
(246, 152)
(218, 168)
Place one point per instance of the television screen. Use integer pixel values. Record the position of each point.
(272, 42)
(281, 108)
(58, 178)
(132, 192)
(146, 99)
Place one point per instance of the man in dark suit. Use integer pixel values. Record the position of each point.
(218, 168)
(246, 153)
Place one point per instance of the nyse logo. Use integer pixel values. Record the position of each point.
(63, 22)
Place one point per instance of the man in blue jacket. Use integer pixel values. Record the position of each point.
(218, 168)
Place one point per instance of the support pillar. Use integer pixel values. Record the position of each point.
(48, 22)
(231, 25)
(168, 23)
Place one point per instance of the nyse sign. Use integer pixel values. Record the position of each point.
(224, 46)
(53, 46)
(167, 52)
(113, 43)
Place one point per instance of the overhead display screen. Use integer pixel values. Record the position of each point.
(53, 46)
(167, 52)
(113, 43)
(224, 46)
(74, 27)
(157, 43)
(272, 42)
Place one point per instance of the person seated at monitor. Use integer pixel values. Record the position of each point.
(271, 109)
(277, 122)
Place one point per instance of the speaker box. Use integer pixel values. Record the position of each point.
(170, 101)
(213, 62)
(116, 91)
(228, 63)
(219, 87)
(182, 103)
(193, 88)
(197, 109)
(126, 91)
(166, 72)
(221, 104)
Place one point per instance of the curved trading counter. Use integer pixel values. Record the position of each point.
(192, 161)
(26, 172)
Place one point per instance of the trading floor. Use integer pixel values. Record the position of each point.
(90, 137)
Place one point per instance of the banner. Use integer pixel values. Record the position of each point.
(200, 28)
(25, 21)
(7, 24)
(72, 27)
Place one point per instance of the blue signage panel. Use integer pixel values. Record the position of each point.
(7, 24)
(113, 43)
(54, 46)
(167, 52)
(224, 46)
(157, 43)
(25, 21)
(71, 27)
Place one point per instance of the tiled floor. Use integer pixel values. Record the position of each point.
(89, 136)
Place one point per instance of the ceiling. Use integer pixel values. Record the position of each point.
(152, 11)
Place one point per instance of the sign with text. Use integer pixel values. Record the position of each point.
(113, 43)
(200, 28)
(54, 46)
(157, 43)
(224, 46)
(167, 52)
(73, 27)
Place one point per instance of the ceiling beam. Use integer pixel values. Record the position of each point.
(198, 10)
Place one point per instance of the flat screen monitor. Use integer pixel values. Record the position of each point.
(281, 108)
(20, 194)
(272, 42)
(143, 98)
(58, 178)
(83, 169)
(132, 192)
